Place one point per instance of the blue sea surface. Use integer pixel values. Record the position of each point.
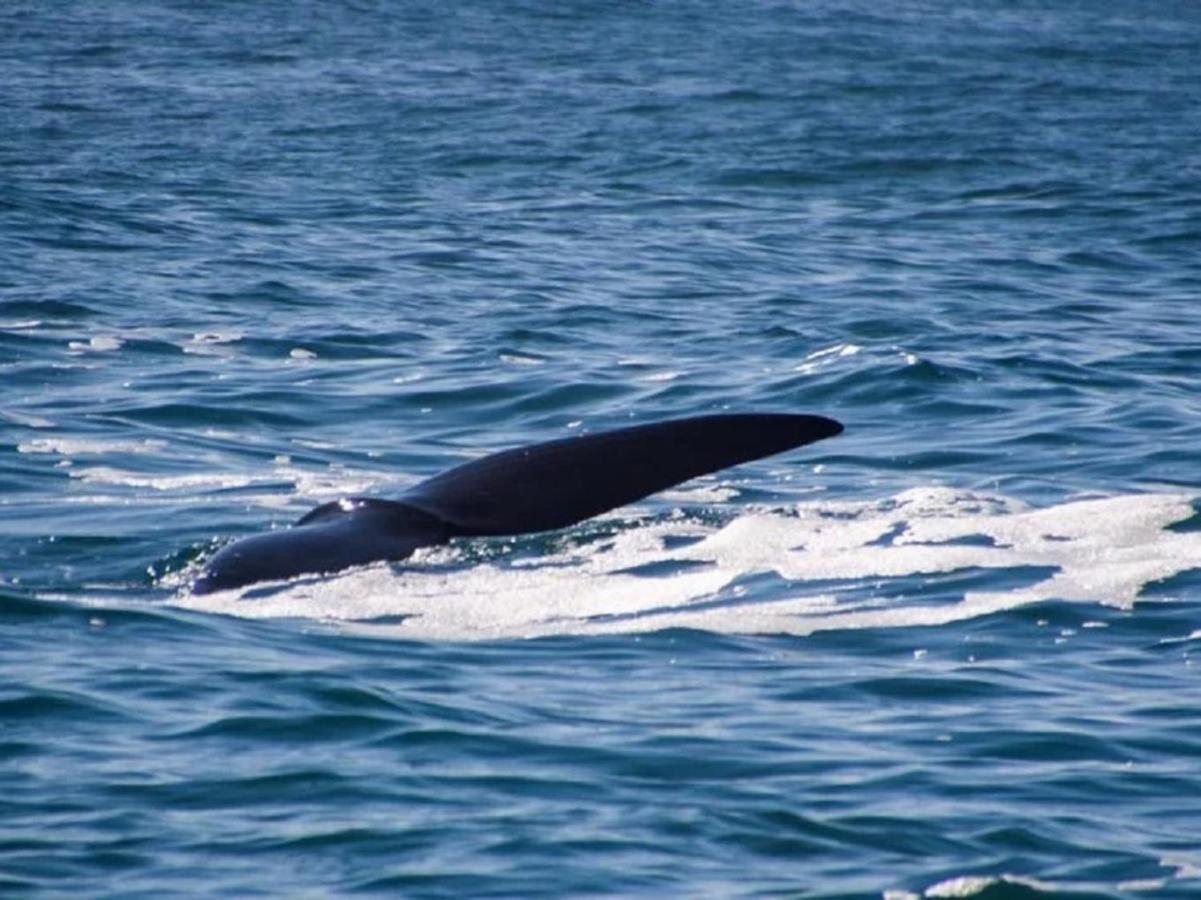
(260, 256)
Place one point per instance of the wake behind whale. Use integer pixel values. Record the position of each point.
(539, 487)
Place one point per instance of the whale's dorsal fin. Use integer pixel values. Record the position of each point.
(562, 482)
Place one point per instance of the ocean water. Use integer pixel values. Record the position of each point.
(260, 256)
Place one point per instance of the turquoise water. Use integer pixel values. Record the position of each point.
(259, 256)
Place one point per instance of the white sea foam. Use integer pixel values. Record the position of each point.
(975, 885)
(211, 343)
(109, 475)
(666, 375)
(518, 359)
(316, 485)
(410, 377)
(90, 446)
(1101, 550)
(700, 493)
(821, 358)
(100, 343)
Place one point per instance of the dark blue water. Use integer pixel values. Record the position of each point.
(259, 256)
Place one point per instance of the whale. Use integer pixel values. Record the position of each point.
(535, 488)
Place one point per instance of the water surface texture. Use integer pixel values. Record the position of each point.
(257, 257)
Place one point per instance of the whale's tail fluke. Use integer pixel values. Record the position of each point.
(560, 483)
(534, 488)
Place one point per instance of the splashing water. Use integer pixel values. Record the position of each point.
(818, 566)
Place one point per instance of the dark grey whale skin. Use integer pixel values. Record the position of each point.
(528, 489)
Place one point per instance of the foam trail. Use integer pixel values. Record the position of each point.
(827, 565)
